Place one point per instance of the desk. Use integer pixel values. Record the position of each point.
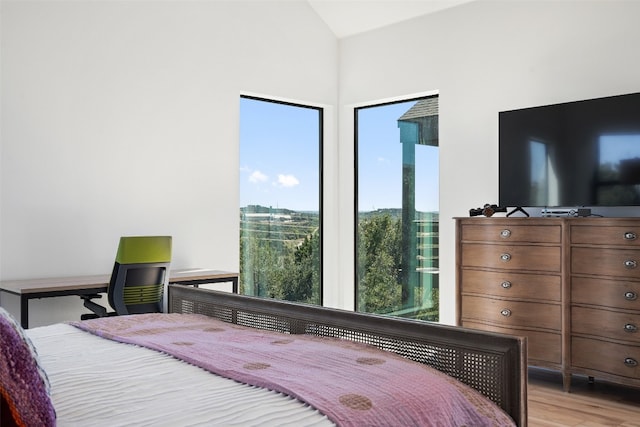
(84, 285)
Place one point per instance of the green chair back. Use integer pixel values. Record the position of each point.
(140, 274)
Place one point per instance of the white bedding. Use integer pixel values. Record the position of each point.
(99, 382)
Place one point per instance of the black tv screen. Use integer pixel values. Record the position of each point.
(583, 153)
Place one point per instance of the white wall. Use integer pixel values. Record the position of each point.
(484, 57)
(122, 118)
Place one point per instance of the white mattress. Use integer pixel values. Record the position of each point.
(98, 382)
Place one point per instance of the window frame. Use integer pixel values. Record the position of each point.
(321, 112)
(356, 181)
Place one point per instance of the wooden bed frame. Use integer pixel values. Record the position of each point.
(493, 364)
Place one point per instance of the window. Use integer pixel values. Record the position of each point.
(397, 210)
(280, 200)
(544, 181)
(618, 176)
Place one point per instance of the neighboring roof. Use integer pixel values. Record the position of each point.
(423, 108)
(424, 116)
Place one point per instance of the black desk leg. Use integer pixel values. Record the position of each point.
(24, 312)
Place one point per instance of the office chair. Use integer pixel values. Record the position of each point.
(139, 276)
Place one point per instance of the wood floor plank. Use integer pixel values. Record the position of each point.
(597, 404)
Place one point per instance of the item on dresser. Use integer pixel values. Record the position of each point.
(518, 209)
(488, 210)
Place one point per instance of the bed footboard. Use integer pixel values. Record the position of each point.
(493, 364)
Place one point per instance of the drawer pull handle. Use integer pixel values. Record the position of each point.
(630, 296)
(630, 362)
(505, 233)
(630, 235)
(630, 264)
(506, 312)
(505, 257)
(630, 327)
(506, 284)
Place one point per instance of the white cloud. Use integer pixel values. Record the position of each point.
(257, 177)
(287, 180)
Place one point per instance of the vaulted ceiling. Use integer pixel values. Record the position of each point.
(349, 17)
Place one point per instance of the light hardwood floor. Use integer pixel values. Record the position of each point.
(587, 405)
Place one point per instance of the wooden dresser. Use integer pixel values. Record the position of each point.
(571, 285)
(605, 299)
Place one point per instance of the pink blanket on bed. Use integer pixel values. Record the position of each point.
(352, 384)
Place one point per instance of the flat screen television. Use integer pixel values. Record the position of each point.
(575, 154)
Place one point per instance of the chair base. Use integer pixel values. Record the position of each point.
(97, 309)
(87, 316)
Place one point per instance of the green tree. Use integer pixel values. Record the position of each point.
(380, 258)
(256, 275)
(276, 263)
(299, 279)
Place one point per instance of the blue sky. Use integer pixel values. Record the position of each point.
(279, 158)
(380, 161)
(279, 155)
(614, 148)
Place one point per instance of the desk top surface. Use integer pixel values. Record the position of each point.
(101, 281)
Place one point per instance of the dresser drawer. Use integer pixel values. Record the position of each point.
(507, 233)
(609, 235)
(606, 262)
(606, 324)
(541, 346)
(511, 313)
(511, 285)
(512, 257)
(605, 292)
(623, 360)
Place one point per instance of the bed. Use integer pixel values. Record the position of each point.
(156, 370)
